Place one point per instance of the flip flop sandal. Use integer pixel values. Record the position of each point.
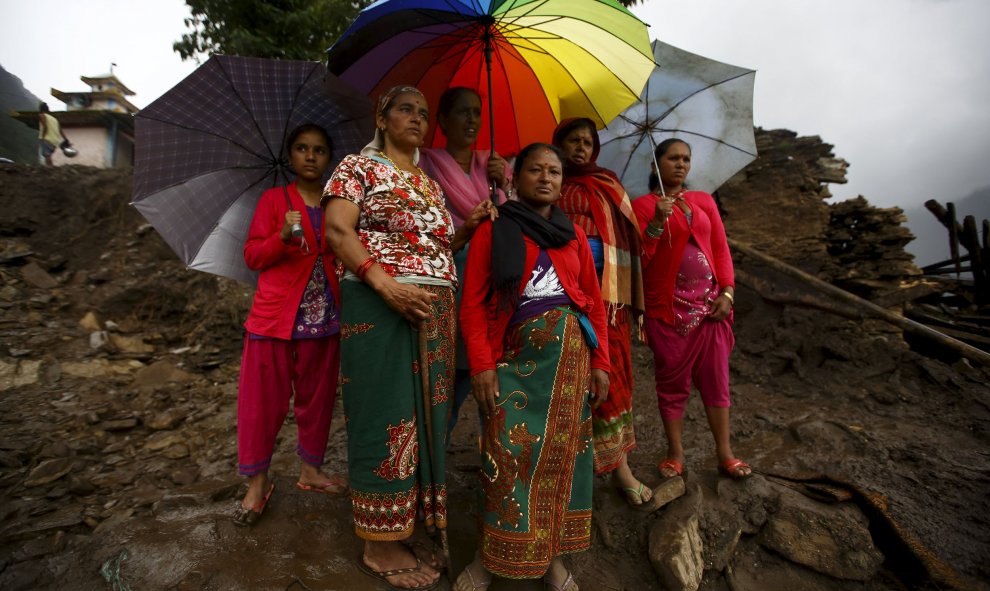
(671, 464)
(334, 486)
(568, 585)
(470, 584)
(644, 506)
(432, 553)
(246, 517)
(382, 575)
(731, 469)
(634, 496)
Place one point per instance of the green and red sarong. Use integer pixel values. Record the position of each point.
(538, 457)
(393, 474)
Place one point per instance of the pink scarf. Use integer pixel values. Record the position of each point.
(462, 191)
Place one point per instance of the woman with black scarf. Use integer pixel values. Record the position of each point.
(534, 325)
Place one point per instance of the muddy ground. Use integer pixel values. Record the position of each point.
(118, 372)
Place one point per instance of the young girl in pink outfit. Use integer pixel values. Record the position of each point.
(292, 346)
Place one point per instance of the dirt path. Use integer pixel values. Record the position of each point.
(128, 446)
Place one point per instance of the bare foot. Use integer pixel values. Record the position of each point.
(388, 556)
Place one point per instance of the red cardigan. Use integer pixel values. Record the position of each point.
(662, 256)
(483, 326)
(285, 269)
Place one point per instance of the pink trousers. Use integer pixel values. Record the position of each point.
(701, 356)
(272, 370)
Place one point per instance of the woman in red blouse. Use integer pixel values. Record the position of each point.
(534, 326)
(292, 344)
(593, 198)
(689, 287)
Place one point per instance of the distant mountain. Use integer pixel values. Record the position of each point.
(17, 141)
(931, 244)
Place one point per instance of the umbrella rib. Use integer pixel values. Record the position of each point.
(265, 166)
(700, 90)
(292, 110)
(217, 223)
(642, 133)
(247, 110)
(638, 143)
(535, 5)
(204, 132)
(550, 37)
(455, 8)
(542, 96)
(705, 136)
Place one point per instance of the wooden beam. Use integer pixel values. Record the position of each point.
(869, 308)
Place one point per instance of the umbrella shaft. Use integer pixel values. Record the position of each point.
(491, 103)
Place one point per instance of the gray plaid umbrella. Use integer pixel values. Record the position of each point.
(708, 104)
(208, 148)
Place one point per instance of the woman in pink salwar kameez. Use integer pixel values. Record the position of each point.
(689, 287)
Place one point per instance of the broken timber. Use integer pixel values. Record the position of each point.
(908, 325)
(968, 236)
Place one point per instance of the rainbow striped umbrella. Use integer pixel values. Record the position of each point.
(534, 62)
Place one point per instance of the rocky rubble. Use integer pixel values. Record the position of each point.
(118, 372)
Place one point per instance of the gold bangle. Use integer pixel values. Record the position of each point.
(732, 300)
(652, 231)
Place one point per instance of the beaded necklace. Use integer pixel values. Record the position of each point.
(423, 178)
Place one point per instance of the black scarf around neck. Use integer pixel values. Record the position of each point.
(509, 249)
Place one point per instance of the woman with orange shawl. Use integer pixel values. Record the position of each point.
(593, 198)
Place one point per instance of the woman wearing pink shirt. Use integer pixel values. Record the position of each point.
(689, 287)
(292, 346)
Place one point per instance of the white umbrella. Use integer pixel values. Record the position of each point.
(706, 103)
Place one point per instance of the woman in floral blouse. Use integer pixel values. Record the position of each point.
(387, 223)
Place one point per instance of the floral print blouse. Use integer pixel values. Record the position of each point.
(403, 222)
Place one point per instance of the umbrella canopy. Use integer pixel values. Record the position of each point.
(706, 103)
(549, 59)
(208, 148)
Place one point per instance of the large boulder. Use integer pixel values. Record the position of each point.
(675, 544)
(831, 539)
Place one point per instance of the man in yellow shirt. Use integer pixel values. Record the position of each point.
(50, 133)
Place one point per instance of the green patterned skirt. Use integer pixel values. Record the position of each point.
(538, 456)
(396, 468)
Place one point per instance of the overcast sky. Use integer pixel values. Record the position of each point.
(901, 88)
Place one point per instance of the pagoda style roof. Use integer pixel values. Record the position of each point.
(112, 93)
(96, 80)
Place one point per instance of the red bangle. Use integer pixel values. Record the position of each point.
(362, 269)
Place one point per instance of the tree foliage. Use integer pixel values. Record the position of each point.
(286, 29)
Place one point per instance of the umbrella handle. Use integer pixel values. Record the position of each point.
(653, 154)
(297, 229)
